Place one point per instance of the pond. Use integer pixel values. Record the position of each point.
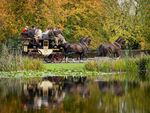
(73, 95)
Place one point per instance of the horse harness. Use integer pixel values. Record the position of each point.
(84, 46)
(116, 44)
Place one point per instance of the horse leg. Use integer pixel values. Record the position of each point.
(105, 52)
(118, 54)
(81, 56)
(66, 59)
(78, 57)
(101, 51)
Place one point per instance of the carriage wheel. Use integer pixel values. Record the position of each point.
(48, 59)
(55, 58)
(58, 57)
(35, 54)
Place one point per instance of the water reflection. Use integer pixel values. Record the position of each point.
(116, 87)
(73, 95)
(51, 91)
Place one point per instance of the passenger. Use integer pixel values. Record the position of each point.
(33, 27)
(25, 29)
(31, 32)
(24, 32)
(45, 34)
(38, 34)
(51, 32)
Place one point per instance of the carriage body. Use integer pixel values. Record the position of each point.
(45, 49)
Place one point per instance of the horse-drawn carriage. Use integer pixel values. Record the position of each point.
(45, 48)
(52, 46)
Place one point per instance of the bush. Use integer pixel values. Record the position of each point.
(131, 65)
(31, 64)
(119, 65)
(105, 66)
(6, 60)
(143, 67)
(91, 66)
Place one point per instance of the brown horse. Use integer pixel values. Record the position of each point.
(77, 48)
(111, 48)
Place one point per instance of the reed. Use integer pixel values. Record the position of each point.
(131, 65)
(11, 62)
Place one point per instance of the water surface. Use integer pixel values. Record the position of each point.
(73, 95)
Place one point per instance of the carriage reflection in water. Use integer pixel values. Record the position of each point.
(51, 91)
(45, 48)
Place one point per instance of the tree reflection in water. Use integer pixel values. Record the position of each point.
(73, 95)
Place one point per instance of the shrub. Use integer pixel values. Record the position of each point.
(91, 66)
(119, 65)
(131, 65)
(143, 67)
(31, 64)
(6, 60)
(105, 66)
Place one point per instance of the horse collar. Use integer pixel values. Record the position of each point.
(117, 44)
(85, 44)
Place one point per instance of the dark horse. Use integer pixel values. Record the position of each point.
(77, 48)
(111, 48)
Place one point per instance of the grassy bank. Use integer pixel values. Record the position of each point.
(15, 62)
(137, 68)
(134, 68)
(120, 65)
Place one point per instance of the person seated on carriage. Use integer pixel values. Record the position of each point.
(46, 31)
(24, 32)
(38, 34)
(28, 32)
(25, 29)
(58, 36)
(31, 32)
(45, 35)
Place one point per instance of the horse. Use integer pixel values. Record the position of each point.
(80, 48)
(55, 36)
(112, 48)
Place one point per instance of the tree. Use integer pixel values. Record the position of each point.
(144, 18)
(103, 20)
(123, 20)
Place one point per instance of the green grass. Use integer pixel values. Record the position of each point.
(69, 69)
(65, 66)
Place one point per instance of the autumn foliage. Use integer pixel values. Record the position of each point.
(103, 20)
